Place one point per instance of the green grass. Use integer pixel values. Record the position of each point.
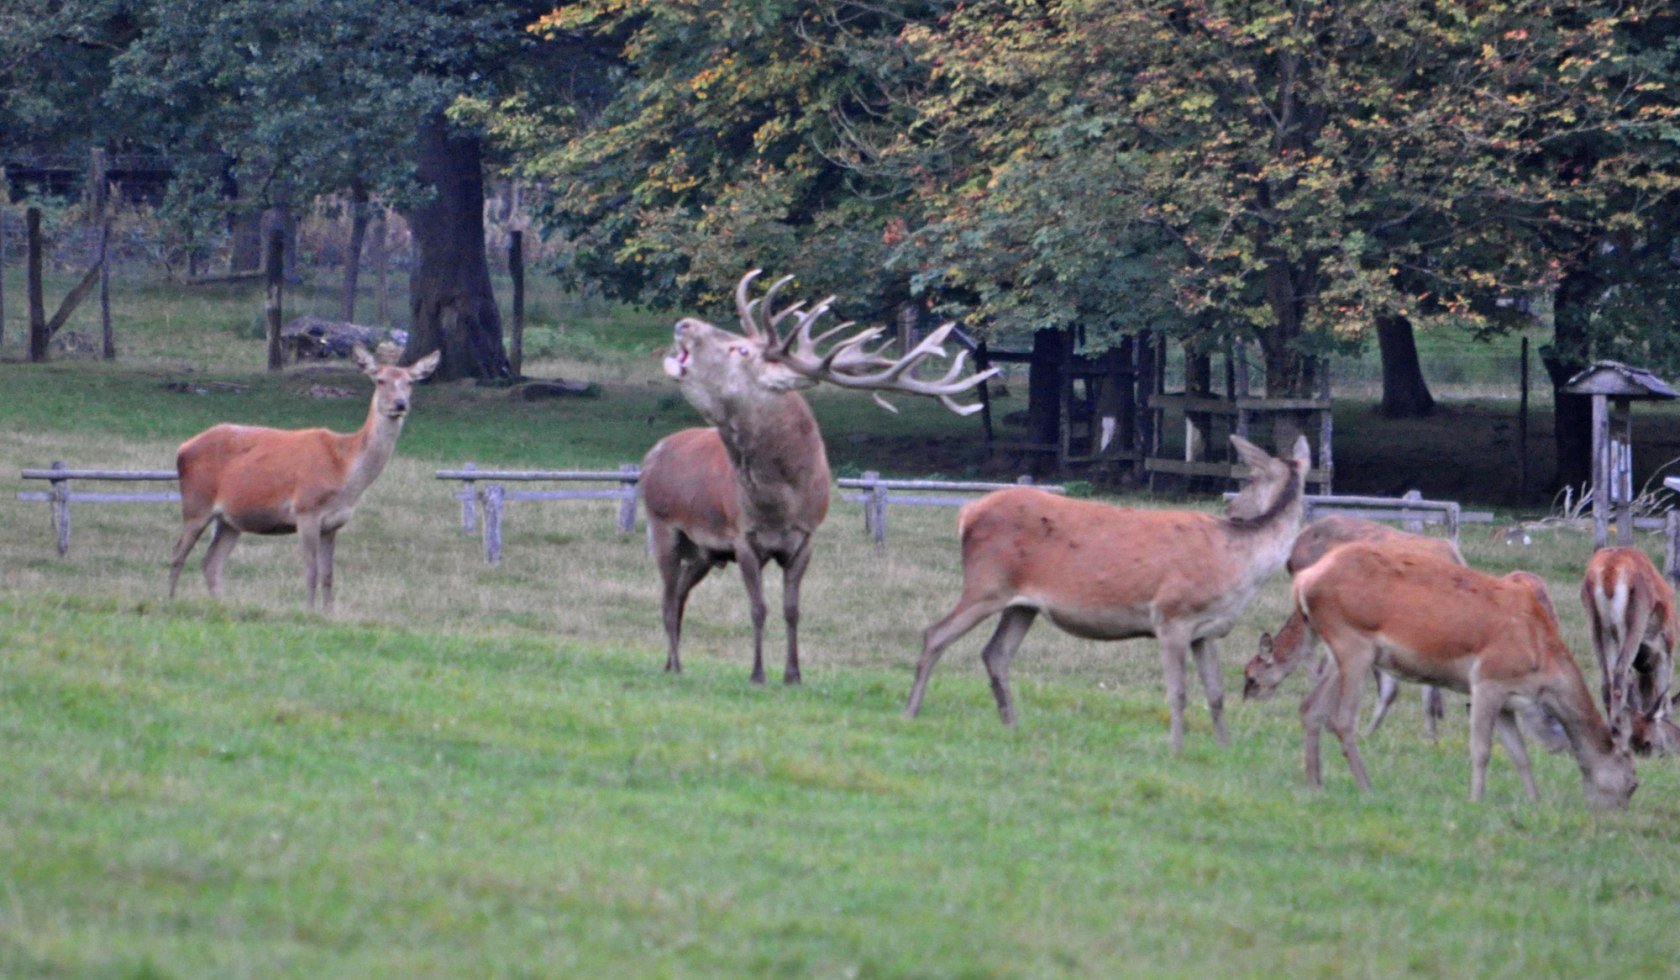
(472, 770)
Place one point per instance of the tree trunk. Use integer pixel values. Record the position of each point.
(1405, 394)
(274, 272)
(452, 305)
(353, 256)
(1044, 396)
(1288, 368)
(1567, 355)
(380, 255)
(516, 272)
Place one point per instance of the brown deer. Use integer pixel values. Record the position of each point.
(1111, 573)
(1631, 607)
(1428, 619)
(243, 479)
(1279, 656)
(755, 486)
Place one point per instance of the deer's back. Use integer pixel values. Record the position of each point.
(687, 482)
(1318, 538)
(1082, 553)
(1438, 620)
(258, 466)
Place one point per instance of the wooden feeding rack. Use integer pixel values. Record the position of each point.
(1614, 388)
(1265, 421)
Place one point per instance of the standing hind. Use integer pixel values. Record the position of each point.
(243, 479)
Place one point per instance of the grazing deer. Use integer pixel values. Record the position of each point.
(1280, 655)
(1111, 573)
(755, 486)
(1425, 618)
(243, 478)
(1631, 607)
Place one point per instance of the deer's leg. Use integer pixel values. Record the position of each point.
(752, 574)
(1485, 709)
(937, 637)
(1000, 649)
(1511, 737)
(191, 529)
(222, 539)
(793, 572)
(1315, 709)
(329, 539)
(1387, 690)
(1206, 653)
(681, 567)
(1173, 650)
(1352, 667)
(309, 541)
(1434, 709)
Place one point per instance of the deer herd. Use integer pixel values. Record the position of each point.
(754, 486)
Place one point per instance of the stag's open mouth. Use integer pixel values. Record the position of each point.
(676, 362)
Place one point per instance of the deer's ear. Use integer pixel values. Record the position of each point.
(1266, 645)
(364, 360)
(423, 368)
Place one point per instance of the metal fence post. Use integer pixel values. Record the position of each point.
(61, 509)
(627, 504)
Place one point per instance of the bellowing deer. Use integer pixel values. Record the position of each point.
(1279, 656)
(1428, 619)
(1631, 607)
(755, 486)
(1111, 573)
(242, 478)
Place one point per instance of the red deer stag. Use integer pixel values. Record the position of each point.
(1428, 619)
(1631, 607)
(1280, 655)
(1111, 573)
(243, 478)
(755, 486)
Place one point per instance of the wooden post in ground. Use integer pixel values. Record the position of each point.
(99, 179)
(516, 271)
(274, 271)
(37, 295)
(1601, 470)
(2, 276)
(1522, 427)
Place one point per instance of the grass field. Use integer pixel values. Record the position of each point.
(476, 770)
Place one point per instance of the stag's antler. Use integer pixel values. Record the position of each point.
(850, 363)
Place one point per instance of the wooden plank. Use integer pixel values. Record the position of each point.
(505, 476)
(98, 474)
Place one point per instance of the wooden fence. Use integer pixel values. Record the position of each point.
(61, 496)
(484, 498)
(878, 494)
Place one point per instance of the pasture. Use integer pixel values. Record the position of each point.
(476, 770)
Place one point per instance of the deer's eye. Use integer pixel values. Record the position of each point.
(739, 351)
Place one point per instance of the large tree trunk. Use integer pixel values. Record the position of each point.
(453, 308)
(1405, 394)
(353, 255)
(1044, 397)
(1566, 357)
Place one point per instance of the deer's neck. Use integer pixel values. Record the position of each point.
(1265, 540)
(777, 453)
(368, 449)
(1574, 708)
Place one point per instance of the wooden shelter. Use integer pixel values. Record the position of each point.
(1614, 388)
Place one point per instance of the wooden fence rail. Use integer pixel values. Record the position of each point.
(485, 496)
(61, 496)
(878, 494)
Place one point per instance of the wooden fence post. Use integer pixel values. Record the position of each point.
(61, 509)
(1671, 559)
(469, 503)
(1412, 524)
(627, 503)
(274, 272)
(875, 509)
(493, 523)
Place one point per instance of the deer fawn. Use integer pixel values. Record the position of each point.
(1111, 573)
(754, 487)
(279, 481)
(1426, 618)
(1631, 607)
